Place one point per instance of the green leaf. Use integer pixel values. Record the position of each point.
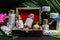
(15, 37)
(31, 4)
(1, 33)
(34, 2)
(55, 5)
(51, 5)
(59, 32)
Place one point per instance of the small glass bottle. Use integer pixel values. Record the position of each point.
(52, 20)
(45, 24)
(45, 13)
(11, 20)
(19, 23)
(58, 23)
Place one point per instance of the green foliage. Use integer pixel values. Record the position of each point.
(54, 4)
(59, 32)
(1, 33)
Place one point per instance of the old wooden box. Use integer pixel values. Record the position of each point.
(24, 12)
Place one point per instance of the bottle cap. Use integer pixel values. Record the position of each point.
(46, 8)
(54, 15)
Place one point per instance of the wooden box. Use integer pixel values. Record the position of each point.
(24, 12)
(29, 33)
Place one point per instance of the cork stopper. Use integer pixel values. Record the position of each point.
(45, 21)
(31, 15)
(18, 17)
(11, 11)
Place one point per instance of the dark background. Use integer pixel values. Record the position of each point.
(6, 5)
